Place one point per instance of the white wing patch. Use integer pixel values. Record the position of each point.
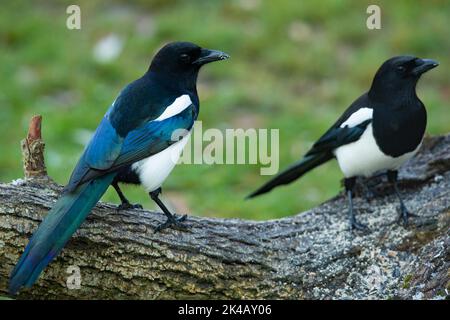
(180, 103)
(358, 117)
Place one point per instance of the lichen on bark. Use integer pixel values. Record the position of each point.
(311, 255)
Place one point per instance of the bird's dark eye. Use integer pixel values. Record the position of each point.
(401, 69)
(185, 57)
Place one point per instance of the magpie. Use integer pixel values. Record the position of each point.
(134, 142)
(379, 132)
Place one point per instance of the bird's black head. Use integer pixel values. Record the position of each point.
(183, 60)
(399, 76)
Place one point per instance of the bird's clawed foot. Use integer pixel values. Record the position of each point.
(355, 225)
(127, 206)
(404, 215)
(173, 222)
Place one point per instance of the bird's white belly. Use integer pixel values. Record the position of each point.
(152, 171)
(364, 157)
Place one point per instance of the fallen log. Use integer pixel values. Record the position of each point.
(312, 255)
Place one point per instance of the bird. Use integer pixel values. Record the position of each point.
(379, 131)
(139, 140)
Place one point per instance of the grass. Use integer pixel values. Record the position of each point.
(295, 66)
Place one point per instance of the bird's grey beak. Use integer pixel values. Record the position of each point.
(208, 55)
(423, 65)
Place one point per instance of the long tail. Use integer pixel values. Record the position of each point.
(55, 230)
(295, 171)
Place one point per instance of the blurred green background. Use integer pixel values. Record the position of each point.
(296, 65)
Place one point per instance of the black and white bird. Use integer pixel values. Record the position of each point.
(380, 131)
(171, 83)
(139, 140)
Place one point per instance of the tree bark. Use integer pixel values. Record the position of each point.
(312, 255)
(33, 151)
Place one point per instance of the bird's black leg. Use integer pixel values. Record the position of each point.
(349, 185)
(125, 203)
(404, 213)
(172, 220)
